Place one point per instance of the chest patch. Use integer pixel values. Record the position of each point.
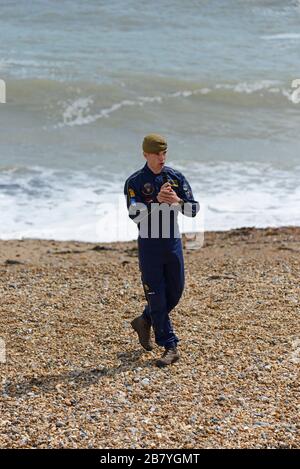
(173, 182)
(148, 189)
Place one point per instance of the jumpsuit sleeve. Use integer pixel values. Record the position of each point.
(191, 206)
(132, 198)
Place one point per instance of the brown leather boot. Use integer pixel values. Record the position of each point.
(143, 329)
(169, 356)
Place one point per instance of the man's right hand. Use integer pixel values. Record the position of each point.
(165, 191)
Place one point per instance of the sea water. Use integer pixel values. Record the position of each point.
(85, 81)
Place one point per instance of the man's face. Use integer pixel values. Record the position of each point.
(156, 161)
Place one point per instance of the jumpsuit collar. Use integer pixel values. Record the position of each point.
(148, 170)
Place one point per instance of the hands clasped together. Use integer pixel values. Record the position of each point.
(167, 194)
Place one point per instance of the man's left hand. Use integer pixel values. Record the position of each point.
(168, 196)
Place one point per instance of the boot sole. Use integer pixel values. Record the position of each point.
(149, 348)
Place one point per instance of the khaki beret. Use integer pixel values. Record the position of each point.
(154, 143)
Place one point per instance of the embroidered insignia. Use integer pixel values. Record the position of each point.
(148, 189)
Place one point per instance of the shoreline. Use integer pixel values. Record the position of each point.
(33, 249)
(75, 376)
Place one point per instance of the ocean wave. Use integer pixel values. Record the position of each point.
(251, 87)
(71, 104)
(286, 36)
(64, 205)
(77, 112)
(4, 63)
(74, 113)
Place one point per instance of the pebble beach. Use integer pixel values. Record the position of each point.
(74, 376)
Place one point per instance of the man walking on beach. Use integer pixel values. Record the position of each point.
(154, 196)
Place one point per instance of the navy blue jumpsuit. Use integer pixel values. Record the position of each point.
(160, 258)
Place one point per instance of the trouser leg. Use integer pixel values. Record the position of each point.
(174, 276)
(146, 313)
(153, 277)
